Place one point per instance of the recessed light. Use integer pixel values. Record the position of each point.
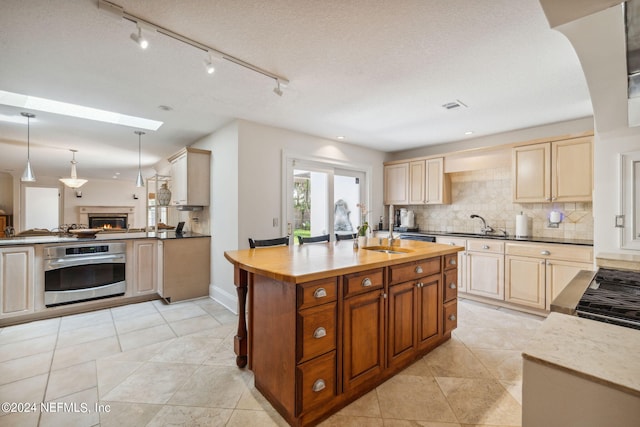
(340, 137)
(469, 132)
(74, 110)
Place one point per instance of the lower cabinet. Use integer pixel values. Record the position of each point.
(525, 278)
(186, 268)
(16, 281)
(145, 266)
(485, 268)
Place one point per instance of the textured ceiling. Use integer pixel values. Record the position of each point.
(376, 72)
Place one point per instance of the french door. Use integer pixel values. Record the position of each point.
(323, 198)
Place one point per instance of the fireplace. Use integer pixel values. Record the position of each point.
(116, 221)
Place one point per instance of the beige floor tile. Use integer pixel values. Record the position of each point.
(27, 331)
(25, 367)
(223, 356)
(225, 317)
(141, 354)
(485, 338)
(252, 399)
(413, 398)
(27, 390)
(413, 423)
(481, 401)
(366, 406)
(79, 411)
(338, 420)
(75, 354)
(244, 418)
(514, 388)
(190, 416)
(455, 361)
(212, 386)
(182, 312)
(151, 383)
(194, 350)
(73, 379)
(220, 331)
(83, 320)
(503, 364)
(86, 334)
(122, 414)
(110, 373)
(135, 323)
(18, 349)
(133, 310)
(144, 337)
(20, 419)
(194, 325)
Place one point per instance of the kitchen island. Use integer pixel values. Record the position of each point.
(329, 322)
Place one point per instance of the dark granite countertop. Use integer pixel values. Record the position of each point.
(533, 239)
(54, 238)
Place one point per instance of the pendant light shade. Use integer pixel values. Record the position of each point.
(27, 175)
(139, 180)
(73, 182)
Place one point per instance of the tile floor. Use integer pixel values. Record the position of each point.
(152, 364)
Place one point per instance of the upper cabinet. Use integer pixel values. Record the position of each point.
(416, 182)
(190, 171)
(557, 171)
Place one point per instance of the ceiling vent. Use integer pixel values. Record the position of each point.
(454, 104)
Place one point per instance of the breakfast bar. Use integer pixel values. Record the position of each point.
(329, 322)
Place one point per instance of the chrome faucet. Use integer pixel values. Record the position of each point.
(391, 221)
(485, 228)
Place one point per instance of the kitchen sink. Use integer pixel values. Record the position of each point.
(387, 249)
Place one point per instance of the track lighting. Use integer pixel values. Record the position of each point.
(73, 182)
(28, 175)
(277, 89)
(139, 180)
(208, 65)
(138, 38)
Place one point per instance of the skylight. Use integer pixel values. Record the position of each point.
(73, 110)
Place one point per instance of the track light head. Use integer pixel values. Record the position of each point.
(277, 89)
(208, 65)
(139, 39)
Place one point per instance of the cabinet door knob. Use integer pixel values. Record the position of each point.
(366, 282)
(418, 269)
(545, 253)
(452, 286)
(320, 332)
(320, 293)
(319, 385)
(452, 261)
(419, 285)
(485, 246)
(452, 317)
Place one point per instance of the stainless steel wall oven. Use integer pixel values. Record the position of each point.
(80, 272)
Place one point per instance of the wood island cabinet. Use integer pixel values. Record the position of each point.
(317, 345)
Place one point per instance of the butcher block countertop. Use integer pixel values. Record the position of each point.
(312, 261)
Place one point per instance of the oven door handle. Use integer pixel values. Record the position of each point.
(95, 259)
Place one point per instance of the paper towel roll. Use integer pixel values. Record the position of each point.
(522, 226)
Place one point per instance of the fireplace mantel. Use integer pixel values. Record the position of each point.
(85, 211)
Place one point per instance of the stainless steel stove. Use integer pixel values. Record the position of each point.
(613, 296)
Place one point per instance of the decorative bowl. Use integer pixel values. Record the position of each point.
(85, 232)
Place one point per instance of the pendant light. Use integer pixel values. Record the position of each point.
(139, 181)
(27, 175)
(73, 182)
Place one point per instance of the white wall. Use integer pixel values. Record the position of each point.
(6, 193)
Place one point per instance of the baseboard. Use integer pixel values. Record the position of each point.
(227, 299)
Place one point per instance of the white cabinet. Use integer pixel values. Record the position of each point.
(462, 259)
(190, 172)
(485, 268)
(16, 281)
(396, 184)
(416, 182)
(145, 266)
(557, 171)
(537, 272)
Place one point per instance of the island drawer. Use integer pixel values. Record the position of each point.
(451, 261)
(450, 312)
(316, 331)
(316, 382)
(317, 292)
(450, 285)
(413, 270)
(357, 283)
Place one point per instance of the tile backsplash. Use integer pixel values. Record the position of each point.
(487, 193)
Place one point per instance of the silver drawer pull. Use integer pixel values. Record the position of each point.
(452, 243)
(452, 286)
(320, 332)
(545, 253)
(320, 293)
(485, 246)
(418, 269)
(452, 261)
(319, 385)
(452, 317)
(366, 282)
